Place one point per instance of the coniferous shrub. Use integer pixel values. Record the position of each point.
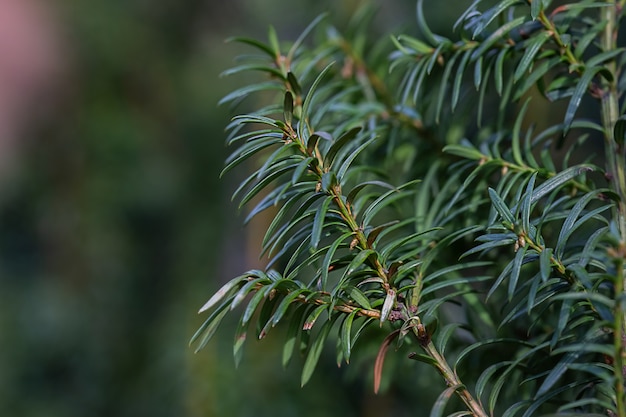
(417, 188)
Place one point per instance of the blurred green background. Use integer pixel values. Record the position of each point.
(114, 226)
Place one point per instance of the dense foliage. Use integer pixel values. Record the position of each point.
(415, 186)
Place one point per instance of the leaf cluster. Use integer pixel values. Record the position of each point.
(382, 221)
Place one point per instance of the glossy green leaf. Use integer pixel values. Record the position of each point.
(330, 255)
(339, 144)
(359, 259)
(347, 163)
(535, 77)
(499, 69)
(346, 335)
(286, 303)
(443, 89)
(501, 207)
(497, 35)
(545, 263)
(358, 296)
(515, 271)
(558, 180)
(318, 222)
(579, 91)
(570, 224)
(492, 14)
(306, 104)
(256, 299)
(525, 204)
(516, 147)
(531, 48)
(458, 79)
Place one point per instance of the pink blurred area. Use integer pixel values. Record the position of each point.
(31, 64)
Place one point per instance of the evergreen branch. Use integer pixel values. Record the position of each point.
(448, 374)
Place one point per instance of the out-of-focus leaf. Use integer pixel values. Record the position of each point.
(314, 353)
(240, 339)
(466, 150)
(380, 358)
(536, 7)
(303, 35)
(288, 107)
(222, 292)
(619, 131)
(556, 372)
(253, 42)
(249, 89)
(293, 331)
(209, 327)
(423, 26)
(442, 401)
(253, 67)
(306, 104)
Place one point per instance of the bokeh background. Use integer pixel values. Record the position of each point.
(114, 226)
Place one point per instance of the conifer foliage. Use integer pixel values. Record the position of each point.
(414, 173)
